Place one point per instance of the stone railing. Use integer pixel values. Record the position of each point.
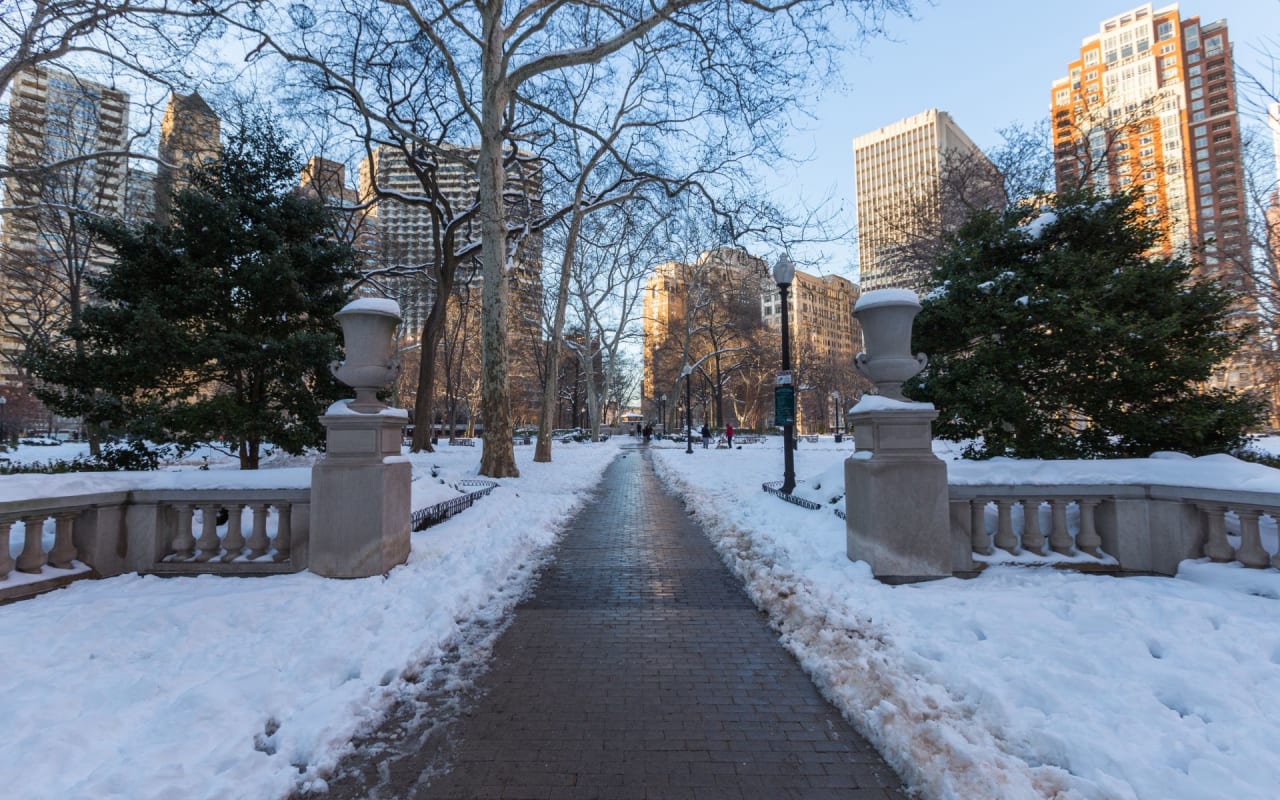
(1144, 529)
(169, 531)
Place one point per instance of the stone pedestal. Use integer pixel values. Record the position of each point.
(360, 496)
(896, 493)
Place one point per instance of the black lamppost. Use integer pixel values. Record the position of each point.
(662, 412)
(687, 374)
(835, 396)
(783, 273)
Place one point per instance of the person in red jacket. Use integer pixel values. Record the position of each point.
(728, 435)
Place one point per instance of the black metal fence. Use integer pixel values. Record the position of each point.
(434, 515)
(775, 488)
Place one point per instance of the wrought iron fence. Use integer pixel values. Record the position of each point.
(433, 515)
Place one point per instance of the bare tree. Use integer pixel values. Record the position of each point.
(491, 55)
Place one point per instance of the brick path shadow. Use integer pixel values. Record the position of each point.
(636, 668)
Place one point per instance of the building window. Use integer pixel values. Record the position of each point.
(1165, 30)
(1193, 58)
(1213, 45)
(1091, 58)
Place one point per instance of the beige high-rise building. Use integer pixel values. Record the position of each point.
(915, 179)
(44, 251)
(825, 337)
(190, 135)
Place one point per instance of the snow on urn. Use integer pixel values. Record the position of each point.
(368, 332)
(886, 316)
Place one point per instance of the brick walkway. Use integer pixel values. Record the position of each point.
(638, 668)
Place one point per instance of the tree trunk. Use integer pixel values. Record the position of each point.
(432, 328)
(551, 391)
(499, 457)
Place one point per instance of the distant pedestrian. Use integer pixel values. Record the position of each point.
(728, 435)
(706, 436)
(648, 433)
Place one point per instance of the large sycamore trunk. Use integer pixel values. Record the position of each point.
(499, 457)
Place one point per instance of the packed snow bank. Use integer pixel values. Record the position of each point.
(1024, 682)
(143, 687)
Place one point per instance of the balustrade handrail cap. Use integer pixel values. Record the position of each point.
(31, 486)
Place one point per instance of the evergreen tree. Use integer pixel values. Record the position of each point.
(1054, 333)
(220, 327)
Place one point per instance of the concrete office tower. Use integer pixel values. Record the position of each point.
(190, 134)
(407, 229)
(825, 337)
(1150, 103)
(44, 251)
(915, 180)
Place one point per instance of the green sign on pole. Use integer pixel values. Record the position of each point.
(784, 405)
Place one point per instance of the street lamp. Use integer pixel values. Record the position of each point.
(662, 412)
(687, 373)
(783, 273)
(3, 437)
(835, 397)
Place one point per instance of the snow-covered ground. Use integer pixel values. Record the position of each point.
(1023, 682)
(144, 687)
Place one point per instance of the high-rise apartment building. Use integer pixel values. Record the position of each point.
(326, 181)
(915, 180)
(825, 338)
(190, 134)
(410, 218)
(691, 312)
(1150, 103)
(55, 117)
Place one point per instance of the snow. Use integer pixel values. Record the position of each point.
(1035, 227)
(212, 687)
(886, 297)
(378, 305)
(1025, 682)
(875, 402)
(342, 408)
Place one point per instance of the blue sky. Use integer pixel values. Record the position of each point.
(988, 64)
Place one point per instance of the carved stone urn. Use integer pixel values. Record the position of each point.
(886, 317)
(368, 331)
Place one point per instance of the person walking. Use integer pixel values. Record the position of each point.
(706, 436)
(648, 433)
(728, 435)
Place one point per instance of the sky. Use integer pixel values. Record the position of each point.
(988, 64)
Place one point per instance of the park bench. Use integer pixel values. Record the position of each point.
(462, 441)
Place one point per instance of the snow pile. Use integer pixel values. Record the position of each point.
(143, 687)
(886, 297)
(1033, 228)
(1023, 682)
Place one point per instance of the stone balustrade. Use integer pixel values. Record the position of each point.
(171, 531)
(1145, 529)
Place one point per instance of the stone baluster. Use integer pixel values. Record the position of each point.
(233, 542)
(978, 522)
(1005, 539)
(63, 553)
(6, 560)
(209, 544)
(258, 542)
(1251, 552)
(32, 559)
(1216, 545)
(284, 531)
(184, 544)
(1059, 536)
(1032, 538)
(1088, 540)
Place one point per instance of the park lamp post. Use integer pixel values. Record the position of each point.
(687, 373)
(4, 438)
(783, 273)
(662, 412)
(835, 397)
